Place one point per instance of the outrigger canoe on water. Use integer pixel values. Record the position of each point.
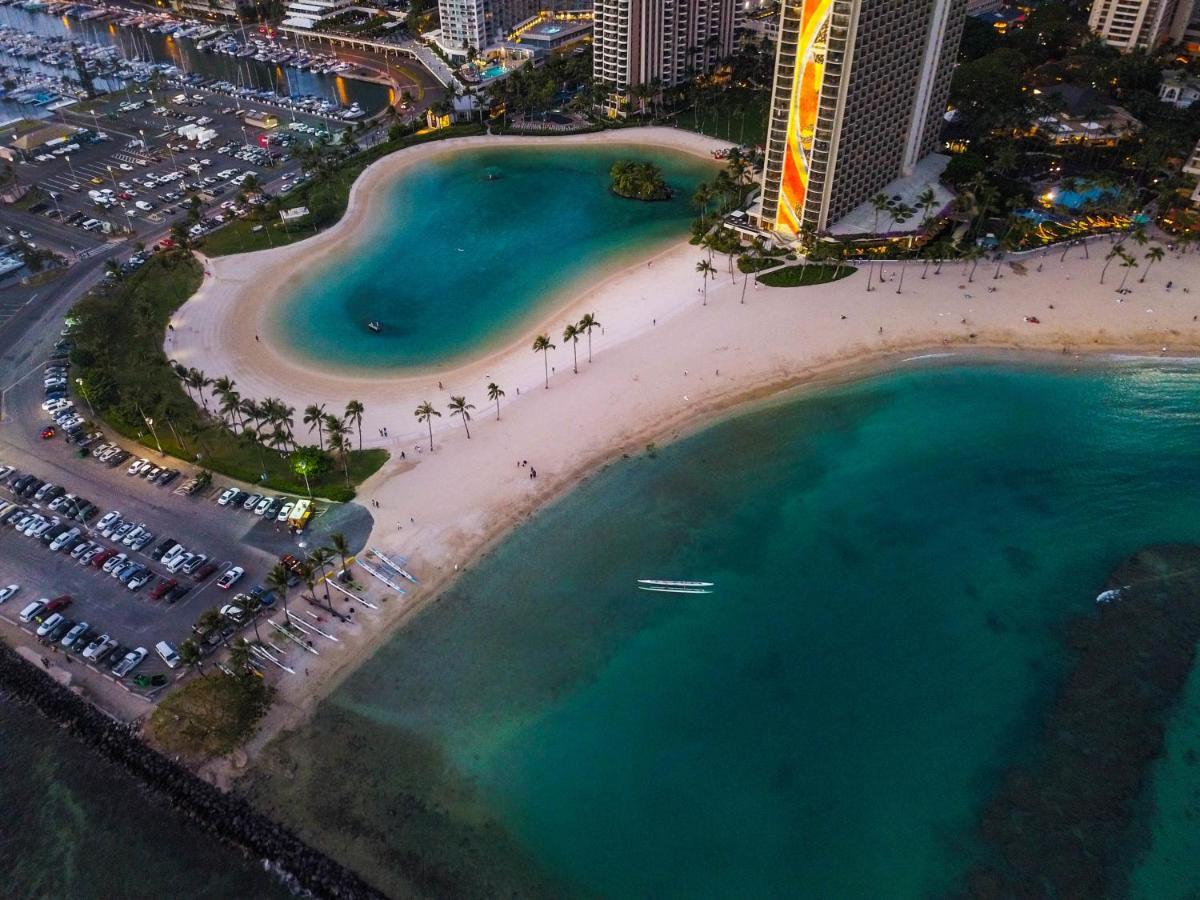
(675, 587)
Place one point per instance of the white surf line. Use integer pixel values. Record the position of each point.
(363, 600)
(928, 356)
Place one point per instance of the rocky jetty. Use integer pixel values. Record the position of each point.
(1063, 827)
(225, 815)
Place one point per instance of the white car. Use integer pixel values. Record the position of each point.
(144, 206)
(108, 519)
(139, 580)
(54, 406)
(72, 636)
(129, 662)
(32, 610)
(285, 512)
(49, 625)
(126, 167)
(179, 561)
(138, 466)
(233, 612)
(63, 539)
(169, 654)
(227, 495)
(230, 578)
(9, 592)
(173, 554)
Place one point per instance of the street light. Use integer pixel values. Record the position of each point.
(71, 167)
(150, 425)
(84, 394)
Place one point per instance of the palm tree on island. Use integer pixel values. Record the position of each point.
(460, 407)
(586, 324)
(541, 344)
(425, 413)
(706, 270)
(354, 413)
(571, 333)
(494, 394)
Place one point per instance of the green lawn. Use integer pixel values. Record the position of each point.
(325, 198)
(798, 276)
(126, 376)
(209, 716)
(738, 115)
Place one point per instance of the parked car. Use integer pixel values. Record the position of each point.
(166, 650)
(49, 624)
(9, 592)
(69, 639)
(230, 578)
(33, 610)
(227, 496)
(129, 662)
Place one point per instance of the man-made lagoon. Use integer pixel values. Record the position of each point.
(894, 561)
(469, 246)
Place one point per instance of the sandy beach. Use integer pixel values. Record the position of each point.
(662, 364)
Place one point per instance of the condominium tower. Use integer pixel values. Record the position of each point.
(658, 42)
(477, 24)
(1140, 24)
(859, 98)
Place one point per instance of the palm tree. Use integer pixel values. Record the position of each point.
(210, 621)
(1118, 251)
(1154, 254)
(189, 653)
(1128, 263)
(586, 324)
(973, 255)
(198, 380)
(341, 547)
(425, 413)
(239, 658)
(277, 581)
(354, 413)
(314, 418)
(494, 394)
(571, 333)
(252, 411)
(459, 406)
(320, 557)
(542, 345)
(706, 270)
(231, 405)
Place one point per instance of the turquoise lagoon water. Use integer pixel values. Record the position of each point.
(458, 259)
(894, 560)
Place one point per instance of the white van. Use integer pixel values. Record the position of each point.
(168, 653)
(32, 610)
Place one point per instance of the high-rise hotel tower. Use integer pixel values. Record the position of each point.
(859, 99)
(1140, 24)
(658, 42)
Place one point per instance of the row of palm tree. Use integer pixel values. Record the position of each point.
(459, 406)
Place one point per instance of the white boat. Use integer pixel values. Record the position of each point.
(1110, 595)
(674, 587)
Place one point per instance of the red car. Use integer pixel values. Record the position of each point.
(164, 585)
(204, 571)
(58, 604)
(103, 556)
(48, 432)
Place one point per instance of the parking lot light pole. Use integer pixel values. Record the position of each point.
(71, 167)
(83, 392)
(150, 424)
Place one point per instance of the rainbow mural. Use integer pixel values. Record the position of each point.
(802, 112)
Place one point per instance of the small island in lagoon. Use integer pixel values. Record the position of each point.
(639, 180)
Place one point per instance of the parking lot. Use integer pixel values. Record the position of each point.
(98, 497)
(142, 155)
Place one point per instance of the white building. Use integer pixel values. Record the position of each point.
(1140, 24)
(1179, 89)
(658, 42)
(1192, 167)
(468, 25)
(304, 14)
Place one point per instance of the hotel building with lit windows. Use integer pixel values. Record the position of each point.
(663, 42)
(1140, 24)
(859, 100)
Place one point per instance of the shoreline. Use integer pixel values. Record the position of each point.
(666, 365)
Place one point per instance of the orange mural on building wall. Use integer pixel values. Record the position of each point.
(802, 112)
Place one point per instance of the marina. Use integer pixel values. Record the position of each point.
(49, 49)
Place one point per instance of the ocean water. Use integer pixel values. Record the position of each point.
(460, 259)
(74, 826)
(893, 560)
